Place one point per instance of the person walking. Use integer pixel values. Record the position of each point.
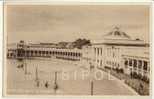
(46, 84)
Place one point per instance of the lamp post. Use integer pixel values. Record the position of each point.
(25, 67)
(92, 87)
(91, 80)
(55, 83)
(37, 78)
(25, 57)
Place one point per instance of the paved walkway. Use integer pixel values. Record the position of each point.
(75, 80)
(106, 86)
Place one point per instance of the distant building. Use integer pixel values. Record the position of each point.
(22, 50)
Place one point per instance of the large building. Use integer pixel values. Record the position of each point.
(117, 50)
(22, 50)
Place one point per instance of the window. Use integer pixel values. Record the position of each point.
(118, 65)
(101, 50)
(139, 64)
(126, 62)
(97, 51)
(113, 54)
(27, 51)
(68, 54)
(11, 54)
(74, 54)
(135, 63)
(145, 65)
(130, 62)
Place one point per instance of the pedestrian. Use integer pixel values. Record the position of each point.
(55, 86)
(21, 65)
(46, 84)
(37, 83)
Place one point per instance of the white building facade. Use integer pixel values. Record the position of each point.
(117, 50)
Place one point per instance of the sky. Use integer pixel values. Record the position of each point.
(55, 23)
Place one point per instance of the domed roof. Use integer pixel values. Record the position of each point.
(117, 34)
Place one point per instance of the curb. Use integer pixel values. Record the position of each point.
(123, 84)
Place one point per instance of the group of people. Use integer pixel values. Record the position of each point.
(46, 85)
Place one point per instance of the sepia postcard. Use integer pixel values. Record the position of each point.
(85, 49)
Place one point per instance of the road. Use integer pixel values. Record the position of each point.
(72, 79)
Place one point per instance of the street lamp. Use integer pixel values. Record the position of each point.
(37, 78)
(91, 80)
(92, 87)
(55, 83)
